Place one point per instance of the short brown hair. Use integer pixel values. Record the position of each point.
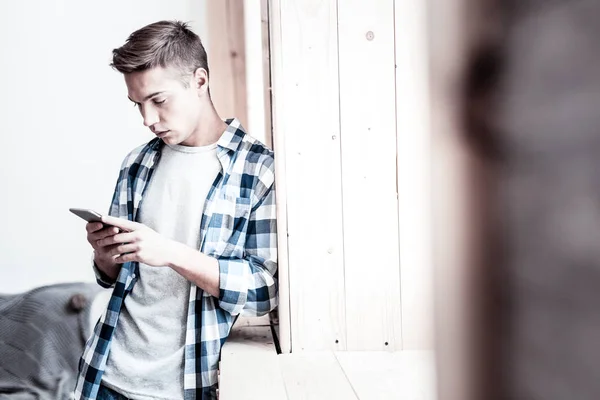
(161, 44)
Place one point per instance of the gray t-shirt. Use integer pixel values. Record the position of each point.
(147, 351)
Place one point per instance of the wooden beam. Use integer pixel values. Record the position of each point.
(264, 12)
(306, 129)
(279, 145)
(413, 130)
(256, 79)
(227, 58)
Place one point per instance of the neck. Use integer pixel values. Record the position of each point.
(209, 130)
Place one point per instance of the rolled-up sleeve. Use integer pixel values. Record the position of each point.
(248, 286)
(101, 278)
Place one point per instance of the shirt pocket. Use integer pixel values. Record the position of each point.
(232, 225)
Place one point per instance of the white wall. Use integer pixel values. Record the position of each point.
(66, 124)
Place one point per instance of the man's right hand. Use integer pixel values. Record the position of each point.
(105, 262)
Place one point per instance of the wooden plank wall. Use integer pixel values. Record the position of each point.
(306, 118)
(337, 137)
(370, 204)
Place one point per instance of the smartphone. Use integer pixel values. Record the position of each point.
(88, 215)
(91, 216)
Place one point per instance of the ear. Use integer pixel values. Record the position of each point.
(201, 81)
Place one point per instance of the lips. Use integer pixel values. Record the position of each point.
(161, 134)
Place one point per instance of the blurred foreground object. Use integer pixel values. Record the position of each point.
(521, 130)
(549, 206)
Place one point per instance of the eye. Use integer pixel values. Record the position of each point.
(159, 102)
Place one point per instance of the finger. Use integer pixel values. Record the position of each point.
(120, 223)
(91, 227)
(126, 258)
(104, 233)
(123, 249)
(105, 250)
(128, 237)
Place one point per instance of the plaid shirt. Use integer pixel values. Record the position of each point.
(238, 228)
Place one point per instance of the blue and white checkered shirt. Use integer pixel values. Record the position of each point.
(238, 228)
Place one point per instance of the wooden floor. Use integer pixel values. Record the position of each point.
(252, 369)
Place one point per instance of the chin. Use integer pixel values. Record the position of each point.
(170, 139)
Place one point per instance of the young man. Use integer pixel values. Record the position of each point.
(191, 238)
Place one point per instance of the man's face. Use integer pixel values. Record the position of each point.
(169, 108)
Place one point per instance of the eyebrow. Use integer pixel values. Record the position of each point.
(147, 97)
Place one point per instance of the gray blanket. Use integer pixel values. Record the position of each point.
(42, 335)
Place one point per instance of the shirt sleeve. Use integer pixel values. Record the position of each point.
(101, 278)
(249, 285)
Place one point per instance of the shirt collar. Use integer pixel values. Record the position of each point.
(228, 142)
(232, 136)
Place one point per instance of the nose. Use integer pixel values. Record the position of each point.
(150, 116)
